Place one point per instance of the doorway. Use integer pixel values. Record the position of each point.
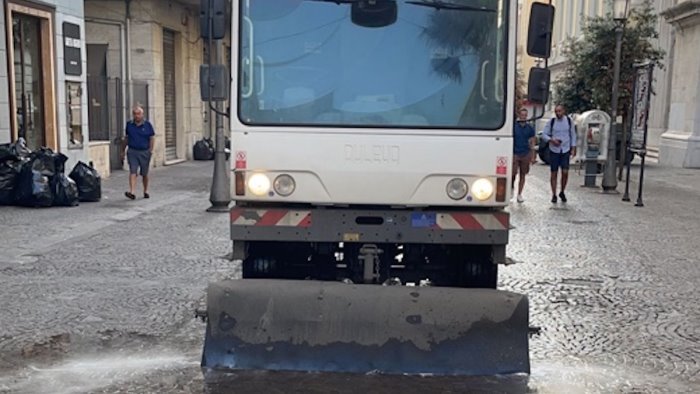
(169, 93)
(31, 67)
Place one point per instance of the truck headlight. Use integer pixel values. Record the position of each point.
(284, 185)
(457, 189)
(259, 184)
(482, 189)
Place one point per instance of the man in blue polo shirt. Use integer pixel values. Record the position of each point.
(139, 140)
(523, 141)
(560, 133)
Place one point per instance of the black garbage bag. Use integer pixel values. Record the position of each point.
(88, 181)
(6, 152)
(43, 161)
(9, 172)
(60, 163)
(65, 191)
(20, 148)
(203, 149)
(33, 187)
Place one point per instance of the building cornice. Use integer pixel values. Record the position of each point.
(683, 14)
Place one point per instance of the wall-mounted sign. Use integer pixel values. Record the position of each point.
(72, 45)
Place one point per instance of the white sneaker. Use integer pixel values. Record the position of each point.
(520, 199)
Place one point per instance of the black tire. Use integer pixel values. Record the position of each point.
(481, 275)
(277, 260)
(475, 267)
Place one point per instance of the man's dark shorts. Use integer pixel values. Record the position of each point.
(559, 160)
(138, 159)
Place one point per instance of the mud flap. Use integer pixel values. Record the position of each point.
(332, 326)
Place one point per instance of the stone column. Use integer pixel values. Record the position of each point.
(680, 144)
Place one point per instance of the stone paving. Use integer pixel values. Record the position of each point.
(613, 284)
(99, 298)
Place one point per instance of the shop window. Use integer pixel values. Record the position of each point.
(74, 114)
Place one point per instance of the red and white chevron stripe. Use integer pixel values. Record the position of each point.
(472, 221)
(270, 217)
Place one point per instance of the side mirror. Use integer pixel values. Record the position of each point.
(213, 11)
(539, 34)
(538, 85)
(374, 13)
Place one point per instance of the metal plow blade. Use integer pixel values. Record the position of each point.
(330, 326)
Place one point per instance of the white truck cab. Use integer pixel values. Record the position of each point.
(371, 144)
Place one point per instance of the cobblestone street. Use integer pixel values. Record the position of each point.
(100, 298)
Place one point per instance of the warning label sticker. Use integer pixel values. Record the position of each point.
(241, 159)
(501, 165)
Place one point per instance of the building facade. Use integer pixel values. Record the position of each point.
(43, 77)
(146, 53)
(680, 143)
(74, 69)
(569, 19)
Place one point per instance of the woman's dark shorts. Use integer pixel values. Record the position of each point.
(138, 159)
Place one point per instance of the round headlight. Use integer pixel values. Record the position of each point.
(482, 189)
(457, 189)
(284, 185)
(259, 184)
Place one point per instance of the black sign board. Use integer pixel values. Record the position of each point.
(640, 106)
(72, 44)
(640, 118)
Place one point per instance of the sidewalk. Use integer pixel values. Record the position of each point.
(29, 232)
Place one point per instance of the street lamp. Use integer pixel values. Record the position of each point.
(620, 8)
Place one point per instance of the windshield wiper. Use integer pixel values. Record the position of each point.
(444, 5)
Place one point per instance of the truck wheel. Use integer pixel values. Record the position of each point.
(259, 268)
(268, 260)
(481, 275)
(476, 267)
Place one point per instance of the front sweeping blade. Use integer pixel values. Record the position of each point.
(331, 326)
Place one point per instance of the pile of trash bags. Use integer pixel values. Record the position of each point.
(205, 149)
(38, 179)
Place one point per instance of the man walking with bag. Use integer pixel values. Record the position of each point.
(560, 133)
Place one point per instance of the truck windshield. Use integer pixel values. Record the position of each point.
(440, 64)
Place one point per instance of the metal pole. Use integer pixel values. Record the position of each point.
(641, 180)
(129, 86)
(220, 196)
(624, 154)
(609, 178)
(643, 152)
(626, 196)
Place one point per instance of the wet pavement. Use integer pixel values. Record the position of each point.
(100, 298)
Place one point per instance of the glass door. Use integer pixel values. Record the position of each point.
(28, 70)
